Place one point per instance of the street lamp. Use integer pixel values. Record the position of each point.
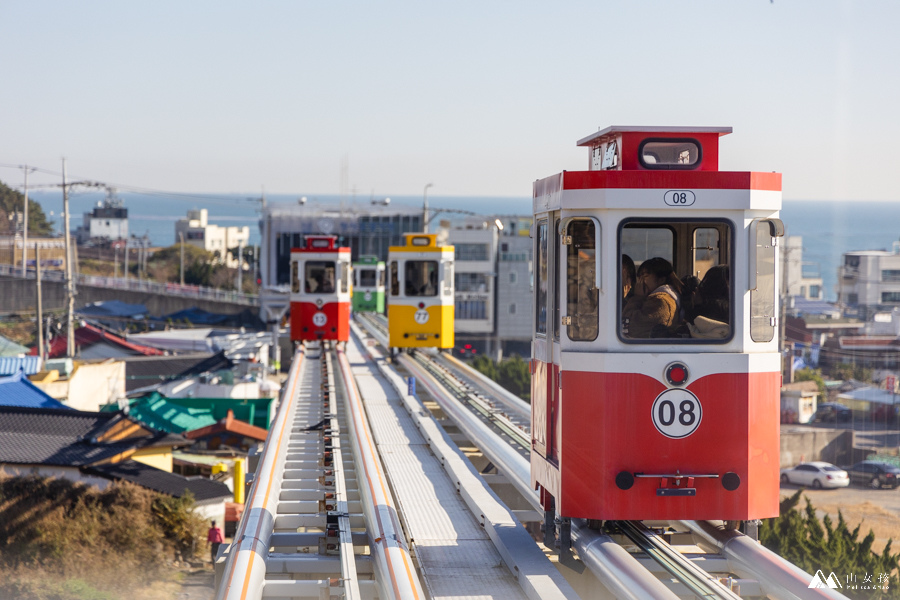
(425, 208)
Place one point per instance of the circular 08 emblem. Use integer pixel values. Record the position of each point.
(319, 319)
(676, 413)
(421, 316)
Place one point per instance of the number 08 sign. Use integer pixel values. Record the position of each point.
(677, 413)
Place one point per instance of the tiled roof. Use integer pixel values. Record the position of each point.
(64, 437)
(16, 390)
(10, 348)
(161, 481)
(144, 371)
(158, 412)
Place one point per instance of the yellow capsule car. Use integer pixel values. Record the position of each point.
(420, 293)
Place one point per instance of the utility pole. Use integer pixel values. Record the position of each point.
(181, 235)
(125, 274)
(25, 224)
(40, 308)
(240, 266)
(70, 284)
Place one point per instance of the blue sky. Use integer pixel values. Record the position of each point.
(478, 98)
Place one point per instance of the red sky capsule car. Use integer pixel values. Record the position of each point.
(655, 359)
(320, 290)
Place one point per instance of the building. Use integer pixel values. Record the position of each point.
(475, 252)
(798, 281)
(196, 230)
(107, 222)
(53, 252)
(514, 293)
(869, 281)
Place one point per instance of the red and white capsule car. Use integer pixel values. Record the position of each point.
(683, 424)
(320, 290)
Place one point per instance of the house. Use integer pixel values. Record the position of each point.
(83, 385)
(9, 348)
(143, 372)
(209, 495)
(228, 434)
(93, 342)
(59, 441)
(178, 415)
(16, 390)
(799, 401)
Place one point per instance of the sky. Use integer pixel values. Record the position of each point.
(476, 98)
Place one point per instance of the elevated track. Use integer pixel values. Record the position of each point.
(360, 492)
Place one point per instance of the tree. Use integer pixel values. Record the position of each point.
(513, 374)
(12, 202)
(804, 541)
(812, 375)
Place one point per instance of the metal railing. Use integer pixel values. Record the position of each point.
(138, 285)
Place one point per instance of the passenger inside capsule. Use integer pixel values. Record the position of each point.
(653, 310)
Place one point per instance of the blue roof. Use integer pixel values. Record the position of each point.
(10, 365)
(195, 315)
(18, 391)
(112, 308)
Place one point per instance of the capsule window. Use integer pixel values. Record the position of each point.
(581, 291)
(676, 283)
(670, 154)
(367, 278)
(345, 278)
(319, 276)
(295, 277)
(395, 279)
(542, 270)
(557, 318)
(763, 234)
(420, 278)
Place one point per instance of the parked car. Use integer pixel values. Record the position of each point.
(832, 412)
(875, 474)
(817, 475)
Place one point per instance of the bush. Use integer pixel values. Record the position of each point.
(101, 542)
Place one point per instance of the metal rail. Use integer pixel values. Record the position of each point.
(619, 571)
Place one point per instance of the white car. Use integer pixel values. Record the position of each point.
(817, 475)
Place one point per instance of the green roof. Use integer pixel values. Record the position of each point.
(368, 260)
(177, 415)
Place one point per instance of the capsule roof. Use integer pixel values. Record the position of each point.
(624, 148)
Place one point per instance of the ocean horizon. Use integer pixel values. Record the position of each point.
(828, 228)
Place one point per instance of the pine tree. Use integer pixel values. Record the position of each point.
(811, 545)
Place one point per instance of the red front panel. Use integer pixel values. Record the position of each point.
(331, 322)
(607, 428)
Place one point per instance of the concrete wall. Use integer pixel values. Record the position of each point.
(20, 295)
(804, 444)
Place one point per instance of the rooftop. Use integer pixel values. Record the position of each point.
(161, 481)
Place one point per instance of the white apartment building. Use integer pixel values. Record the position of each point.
(869, 281)
(107, 221)
(795, 282)
(475, 247)
(196, 230)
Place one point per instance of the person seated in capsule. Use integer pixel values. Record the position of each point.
(653, 310)
(707, 308)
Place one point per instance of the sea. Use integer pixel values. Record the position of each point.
(828, 228)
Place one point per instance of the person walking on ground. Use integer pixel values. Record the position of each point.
(214, 538)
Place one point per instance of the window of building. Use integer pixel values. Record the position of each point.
(420, 278)
(815, 291)
(512, 308)
(683, 288)
(513, 277)
(470, 252)
(472, 282)
(582, 316)
(543, 278)
(890, 297)
(395, 279)
(852, 299)
(319, 277)
(890, 275)
(470, 310)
